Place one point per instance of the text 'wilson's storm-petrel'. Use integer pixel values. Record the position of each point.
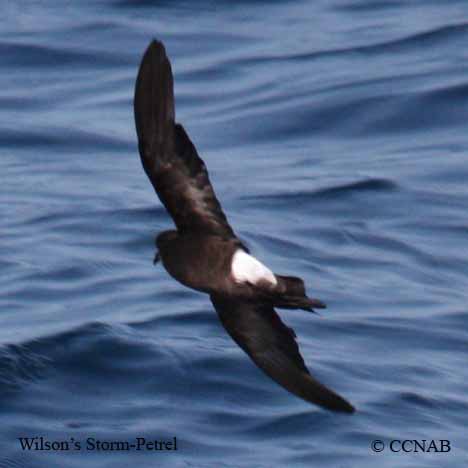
(204, 252)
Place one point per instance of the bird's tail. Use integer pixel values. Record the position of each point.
(291, 295)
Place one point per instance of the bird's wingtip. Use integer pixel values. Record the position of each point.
(155, 50)
(154, 106)
(346, 407)
(332, 401)
(327, 398)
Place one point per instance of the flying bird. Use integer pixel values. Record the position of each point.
(205, 254)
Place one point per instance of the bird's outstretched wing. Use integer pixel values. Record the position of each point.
(259, 331)
(169, 158)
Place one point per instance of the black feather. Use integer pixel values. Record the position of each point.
(170, 160)
(259, 331)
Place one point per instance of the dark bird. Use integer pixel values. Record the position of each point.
(205, 254)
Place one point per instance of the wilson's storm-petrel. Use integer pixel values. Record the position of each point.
(205, 254)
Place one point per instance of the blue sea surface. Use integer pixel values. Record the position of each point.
(336, 137)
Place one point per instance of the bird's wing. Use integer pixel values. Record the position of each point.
(259, 331)
(169, 158)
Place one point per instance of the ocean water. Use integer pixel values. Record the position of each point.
(335, 133)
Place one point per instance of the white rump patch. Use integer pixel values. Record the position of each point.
(246, 268)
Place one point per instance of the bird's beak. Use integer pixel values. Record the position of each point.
(156, 259)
